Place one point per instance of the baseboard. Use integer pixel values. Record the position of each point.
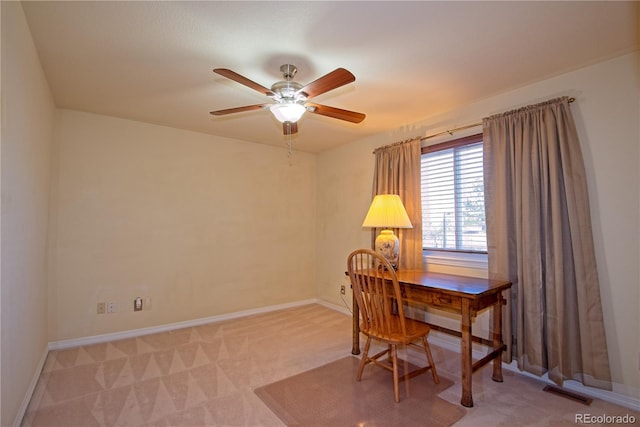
(132, 333)
(338, 308)
(31, 389)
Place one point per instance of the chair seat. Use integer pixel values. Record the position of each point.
(414, 330)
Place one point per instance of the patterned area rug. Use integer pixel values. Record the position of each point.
(330, 396)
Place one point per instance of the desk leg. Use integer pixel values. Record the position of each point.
(497, 338)
(356, 327)
(467, 369)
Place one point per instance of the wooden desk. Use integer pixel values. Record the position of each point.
(458, 294)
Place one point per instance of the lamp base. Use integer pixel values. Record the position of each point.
(388, 245)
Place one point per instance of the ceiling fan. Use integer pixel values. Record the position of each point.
(291, 99)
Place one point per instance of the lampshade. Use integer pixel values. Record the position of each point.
(387, 211)
(288, 111)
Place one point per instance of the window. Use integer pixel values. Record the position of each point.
(453, 196)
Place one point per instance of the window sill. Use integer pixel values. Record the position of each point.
(457, 259)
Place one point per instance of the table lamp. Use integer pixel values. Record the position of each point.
(387, 212)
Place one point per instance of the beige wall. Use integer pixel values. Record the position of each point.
(205, 225)
(27, 123)
(201, 225)
(606, 111)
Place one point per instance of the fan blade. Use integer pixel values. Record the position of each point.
(238, 109)
(289, 128)
(336, 113)
(243, 80)
(333, 80)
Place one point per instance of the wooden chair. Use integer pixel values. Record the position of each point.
(379, 298)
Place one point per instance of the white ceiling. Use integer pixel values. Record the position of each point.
(152, 61)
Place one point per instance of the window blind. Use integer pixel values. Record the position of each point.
(453, 215)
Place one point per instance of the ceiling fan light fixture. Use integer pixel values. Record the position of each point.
(288, 111)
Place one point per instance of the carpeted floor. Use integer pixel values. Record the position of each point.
(322, 397)
(206, 376)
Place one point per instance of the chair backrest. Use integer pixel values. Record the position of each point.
(377, 292)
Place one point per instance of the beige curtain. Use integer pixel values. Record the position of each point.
(397, 171)
(539, 237)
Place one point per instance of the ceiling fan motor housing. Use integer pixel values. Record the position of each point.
(287, 89)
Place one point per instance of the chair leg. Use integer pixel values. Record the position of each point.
(406, 376)
(394, 361)
(389, 359)
(427, 351)
(363, 361)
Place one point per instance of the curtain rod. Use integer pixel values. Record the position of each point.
(450, 132)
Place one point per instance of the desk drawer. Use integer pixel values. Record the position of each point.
(433, 298)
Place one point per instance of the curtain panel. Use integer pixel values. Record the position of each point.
(397, 171)
(539, 237)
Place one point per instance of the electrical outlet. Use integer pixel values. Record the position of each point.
(343, 290)
(102, 308)
(137, 304)
(111, 307)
